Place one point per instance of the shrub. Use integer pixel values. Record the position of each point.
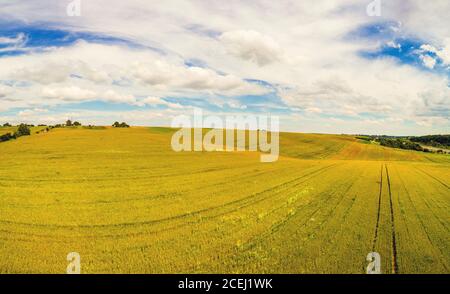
(120, 125)
(6, 137)
(23, 130)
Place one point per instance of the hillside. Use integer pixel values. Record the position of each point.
(129, 204)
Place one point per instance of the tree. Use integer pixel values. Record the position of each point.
(77, 124)
(68, 123)
(22, 130)
(6, 137)
(120, 125)
(7, 125)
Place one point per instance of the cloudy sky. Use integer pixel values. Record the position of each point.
(320, 65)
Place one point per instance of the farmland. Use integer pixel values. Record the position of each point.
(129, 204)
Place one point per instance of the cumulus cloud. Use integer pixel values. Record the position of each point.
(252, 46)
(158, 101)
(162, 74)
(428, 61)
(87, 71)
(304, 49)
(443, 53)
(12, 43)
(5, 90)
(74, 93)
(32, 112)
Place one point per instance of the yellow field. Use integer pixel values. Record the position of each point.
(129, 204)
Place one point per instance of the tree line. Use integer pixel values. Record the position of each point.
(411, 143)
(24, 129)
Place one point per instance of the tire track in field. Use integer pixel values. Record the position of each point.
(433, 177)
(313, 174)
(394, 242)
(402, 182)
(277, 226)
(248, 200)
(377, 225)
(429, 207)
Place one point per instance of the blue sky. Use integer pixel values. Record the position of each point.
(329, 69)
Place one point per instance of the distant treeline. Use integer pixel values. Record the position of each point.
(402, 144)
(411, 143)
(22, 130)
(439, 141)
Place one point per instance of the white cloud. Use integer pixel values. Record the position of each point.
(165, 75)
(252, 46)
(12, 43)
(158, 101)
(301, 47)
(393, 44)
(443, 53)
(5, 90)
(32, 112)
(428, 48)
(428, 61)
(19, 39)
(313, 110)
(72, 93)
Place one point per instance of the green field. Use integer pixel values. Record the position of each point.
(129, 204)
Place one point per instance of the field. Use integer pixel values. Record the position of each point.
(129, 204)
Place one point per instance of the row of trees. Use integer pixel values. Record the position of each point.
(22, 130)
(440, 141)
(120, 125)
(69, 123)
(410, 143)
(402, 144)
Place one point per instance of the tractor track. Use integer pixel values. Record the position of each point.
(394, 242)
(277, 226)
(243, 202)
(433, 177)
(378, 210)
(402, 182)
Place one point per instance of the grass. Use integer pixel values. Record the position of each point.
(129, 204)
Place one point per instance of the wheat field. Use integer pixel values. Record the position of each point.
(127, 203)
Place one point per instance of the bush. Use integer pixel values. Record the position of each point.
(6, 137)
(120, 125)
(23, 130)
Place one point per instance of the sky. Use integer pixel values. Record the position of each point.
(325, 66)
